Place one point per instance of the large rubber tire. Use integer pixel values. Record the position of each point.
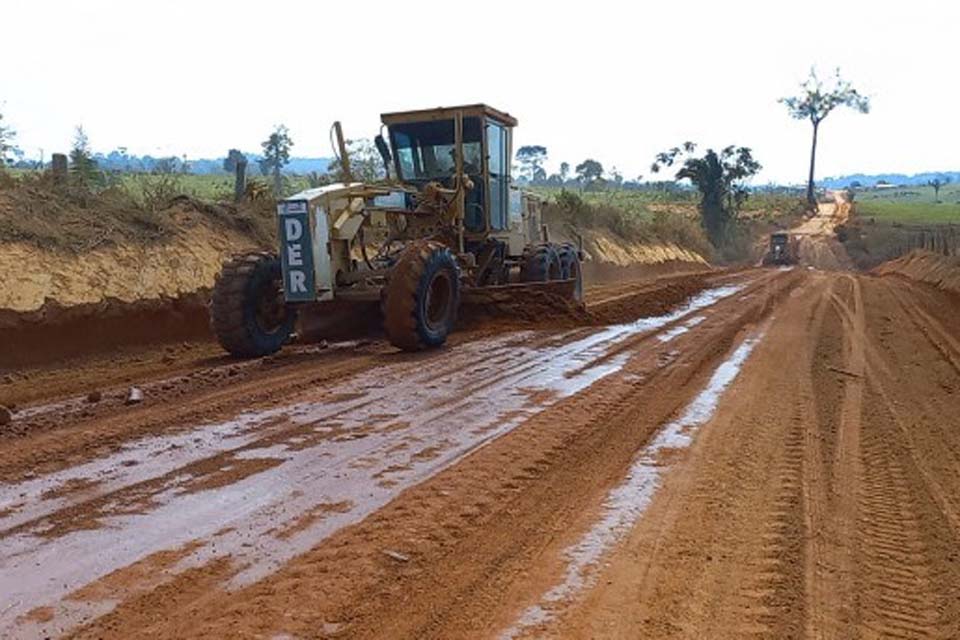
(570, 268)
(247, 310)
(422, 297)
(542, 264)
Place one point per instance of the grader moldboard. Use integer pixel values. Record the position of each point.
(446, 225)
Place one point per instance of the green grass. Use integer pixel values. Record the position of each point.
(909, 212)
(645, 202)
(202, 187)
(205, 187)
(910, 205)
(631, 201)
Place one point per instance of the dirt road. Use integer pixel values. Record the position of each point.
(819, 246)
(769, 453)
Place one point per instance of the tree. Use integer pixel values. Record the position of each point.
(564, 171)
(7, 147)
(276, 155)
(83, 166)
(719, 177)
(234, 157)
(531, 159)
(616, 177)
(166, 166)
(815, 102)
(937, 183)
(589, 171)
(366, 164)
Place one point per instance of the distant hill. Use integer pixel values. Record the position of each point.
(119, 161)
(869, 180)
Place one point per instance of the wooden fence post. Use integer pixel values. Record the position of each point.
(58, 167)
(240, 180)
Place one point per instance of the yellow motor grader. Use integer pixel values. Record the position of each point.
(445, 225)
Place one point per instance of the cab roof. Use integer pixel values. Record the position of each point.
(444, 113)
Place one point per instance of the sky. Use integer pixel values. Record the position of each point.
(615, 81)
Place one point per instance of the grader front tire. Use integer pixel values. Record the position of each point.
(247, 310)
(422, 297)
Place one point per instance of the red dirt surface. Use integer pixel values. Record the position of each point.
(352, 491)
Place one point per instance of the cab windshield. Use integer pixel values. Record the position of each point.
(426, 150)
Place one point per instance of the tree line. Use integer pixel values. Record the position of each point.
(720, 177)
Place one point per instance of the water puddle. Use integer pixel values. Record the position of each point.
(357, 445)
(625, 504)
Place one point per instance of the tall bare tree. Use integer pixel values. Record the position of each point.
(938, 183)
(816, 100)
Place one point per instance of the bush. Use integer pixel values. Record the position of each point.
(637, 225)
(155, 191)
(683, 231)
(574, 213)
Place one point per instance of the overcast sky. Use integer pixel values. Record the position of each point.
(617, 81)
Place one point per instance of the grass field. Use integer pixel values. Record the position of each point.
(646, 202)
(906, 205)
(910, 205)
(203, 187)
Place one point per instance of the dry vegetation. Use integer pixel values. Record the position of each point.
(657, 217)
(74, 218)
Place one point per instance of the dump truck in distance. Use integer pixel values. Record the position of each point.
(784, 249)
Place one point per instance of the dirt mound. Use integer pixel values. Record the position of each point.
(925, 266)
(36, 212)
(185, 264)
(75, 280)
(107, 271)
(605, 305)
(55, 333)
(604, 248)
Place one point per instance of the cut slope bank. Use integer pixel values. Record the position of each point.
(925, 266)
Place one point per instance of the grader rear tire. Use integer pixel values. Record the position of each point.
(247, 310)
(422, 297)
(542, 264)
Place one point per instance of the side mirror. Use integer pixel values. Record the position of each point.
(384, 150)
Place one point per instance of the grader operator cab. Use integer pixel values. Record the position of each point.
(445, 224)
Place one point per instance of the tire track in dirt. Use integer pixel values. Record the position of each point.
(695, 564)
(821, 502)
(938, 337)
(880, 540)
(469, 531)
(910, 514)
(493, 366)
(898, 598)
(835, 595)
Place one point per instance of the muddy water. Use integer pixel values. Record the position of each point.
(626, 503)
(265, 487)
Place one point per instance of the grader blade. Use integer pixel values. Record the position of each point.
(505, 293)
